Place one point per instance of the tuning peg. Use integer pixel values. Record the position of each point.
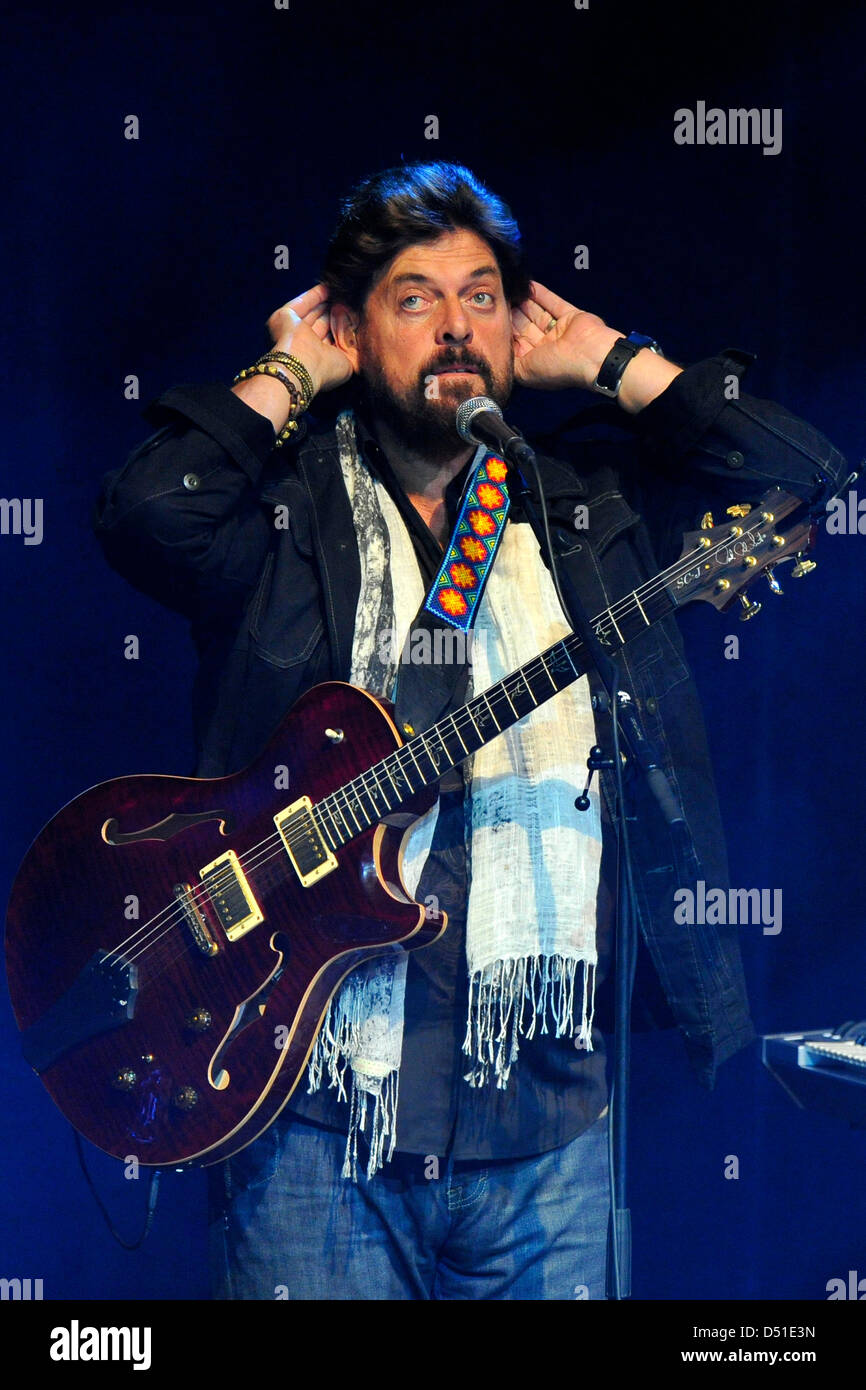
(707, 521)
(772, 580)
(802, 566)
(749, 609)
(739, 509)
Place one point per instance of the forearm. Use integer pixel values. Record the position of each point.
(269, 396)
(644, 378)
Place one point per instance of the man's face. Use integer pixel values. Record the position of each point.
(435, 330)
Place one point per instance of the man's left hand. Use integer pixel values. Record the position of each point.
(557, 345)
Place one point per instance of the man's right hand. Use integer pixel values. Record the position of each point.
(303, 328)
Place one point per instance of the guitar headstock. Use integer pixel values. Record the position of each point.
(719, 561)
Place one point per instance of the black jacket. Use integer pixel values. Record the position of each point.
(189, 519)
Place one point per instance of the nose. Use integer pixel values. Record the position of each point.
(453, 325)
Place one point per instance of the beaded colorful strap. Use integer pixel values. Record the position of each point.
(457, 588)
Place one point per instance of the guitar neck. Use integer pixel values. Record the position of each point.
(425, 758)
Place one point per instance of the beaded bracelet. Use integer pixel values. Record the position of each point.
(297, 367)
(297, 407)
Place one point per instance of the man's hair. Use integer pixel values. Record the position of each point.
(411, 203)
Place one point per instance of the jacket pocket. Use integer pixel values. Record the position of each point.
(285, 621)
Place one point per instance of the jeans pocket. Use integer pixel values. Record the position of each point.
(256, 1165)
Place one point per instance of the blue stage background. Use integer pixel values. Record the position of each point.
(155, 257)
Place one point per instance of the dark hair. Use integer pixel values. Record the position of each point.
(410, 203)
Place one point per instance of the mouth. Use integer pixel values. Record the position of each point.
(456, 371)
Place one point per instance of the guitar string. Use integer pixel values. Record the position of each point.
(205, 889)
(262, 850)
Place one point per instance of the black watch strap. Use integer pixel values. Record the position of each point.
(610, 373)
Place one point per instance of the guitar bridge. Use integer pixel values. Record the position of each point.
(310, 856)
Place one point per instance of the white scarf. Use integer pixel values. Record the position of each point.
(534, 858)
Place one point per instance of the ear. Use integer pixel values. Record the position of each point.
(344, 331)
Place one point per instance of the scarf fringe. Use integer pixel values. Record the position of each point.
(336, 1048)
(495, 1024)
(383, 1122)
(497, 999)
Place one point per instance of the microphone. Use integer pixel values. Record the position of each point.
(480, 421)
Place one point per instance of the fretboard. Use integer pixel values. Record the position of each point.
(425, 758)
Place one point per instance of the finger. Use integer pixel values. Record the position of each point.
(322, 328)
(309, 299)
(316, 315)
(549, 301)
(535, 316)
(526, 326)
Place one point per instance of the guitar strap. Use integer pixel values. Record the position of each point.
(433, 673)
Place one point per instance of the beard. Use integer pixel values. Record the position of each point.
(425, 424)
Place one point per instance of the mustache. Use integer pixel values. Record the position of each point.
(454, 358)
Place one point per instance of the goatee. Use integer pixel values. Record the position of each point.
(422, 418)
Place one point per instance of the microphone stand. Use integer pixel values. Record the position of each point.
(623, 719)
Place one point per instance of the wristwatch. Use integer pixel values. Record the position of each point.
(610, 372)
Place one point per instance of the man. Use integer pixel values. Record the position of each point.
(451, 1138)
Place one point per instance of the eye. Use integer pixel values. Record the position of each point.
(404, 303)
(483, 294)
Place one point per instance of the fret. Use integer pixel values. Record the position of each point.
(636, 597)
(434, 763)
(516, 689)
(492, 715)
(395, 782)
(562, 647)
(472, 717)
(615, 627)
(351, 808)
(547, 673)
(435, 760)
(410, 750)
(360, 789)
(379, 787)
(319, 818)
(503, 711)
(336, 815)
(458, 733)
(509, 699)
(445, 727)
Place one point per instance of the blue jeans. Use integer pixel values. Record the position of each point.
(287, 1225)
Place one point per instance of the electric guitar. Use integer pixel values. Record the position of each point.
(173, 942)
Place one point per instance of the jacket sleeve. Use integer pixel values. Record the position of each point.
(182, 520)
(707, 445)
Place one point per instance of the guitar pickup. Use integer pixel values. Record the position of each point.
(231, 896)
(310, 856)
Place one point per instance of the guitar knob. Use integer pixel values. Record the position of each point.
(198, 1021)
(335, 735)
(773, 582)
(802, 568)
(707, 521)
(185, 1098)
(749, 609)
(738, 509)
(124, 1079)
